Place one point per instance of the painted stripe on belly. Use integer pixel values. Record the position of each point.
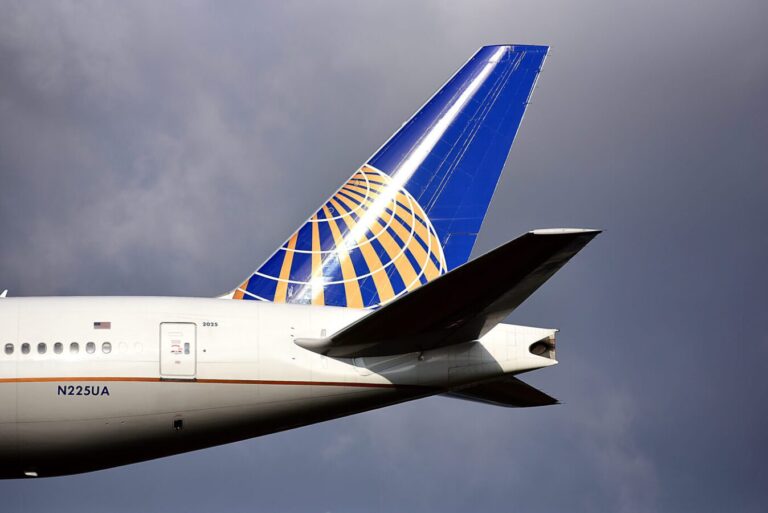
(112, 379)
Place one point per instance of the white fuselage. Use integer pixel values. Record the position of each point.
(158, 376)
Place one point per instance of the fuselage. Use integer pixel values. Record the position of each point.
(91, 383)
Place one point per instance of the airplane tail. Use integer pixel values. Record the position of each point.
(412, 212)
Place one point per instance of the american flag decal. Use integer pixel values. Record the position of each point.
(102, 325)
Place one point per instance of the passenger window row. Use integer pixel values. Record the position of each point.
(58, 348)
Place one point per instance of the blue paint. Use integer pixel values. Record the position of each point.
(446, 160)
(455, 183)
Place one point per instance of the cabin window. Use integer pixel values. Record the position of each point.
(74, 348)
(41, 348)
(106, 348)
(90, 348)
(8, 348)
(58, 348)
(24, 348)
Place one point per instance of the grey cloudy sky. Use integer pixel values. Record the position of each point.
(169, 147)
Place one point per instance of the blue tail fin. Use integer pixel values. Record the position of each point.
(413, 211)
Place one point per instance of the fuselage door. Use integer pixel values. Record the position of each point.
(178, 352)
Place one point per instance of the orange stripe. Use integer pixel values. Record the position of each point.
(304, 383)
(81, 378)
(355, 190)
(378, 273)
(403, 265)
(318, 295)
(372, 173)
(351, 286)
(377, 180)
(431, 271)
(412, 219)
(240, 291)
(281, 292)
(367, 193)
(113, 379)
(415, 248)
(428, 237)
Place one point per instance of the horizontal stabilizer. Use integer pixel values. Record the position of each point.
(509, 392)
(459, 306)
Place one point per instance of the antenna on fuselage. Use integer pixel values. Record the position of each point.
(4, 294)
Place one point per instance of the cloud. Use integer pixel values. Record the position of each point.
(168, 148)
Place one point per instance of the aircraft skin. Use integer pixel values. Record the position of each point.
(371, 303)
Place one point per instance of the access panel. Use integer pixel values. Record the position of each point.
(178, 354)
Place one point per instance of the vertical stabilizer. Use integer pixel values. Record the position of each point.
(413, 211)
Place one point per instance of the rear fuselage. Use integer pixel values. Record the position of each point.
(90, 383)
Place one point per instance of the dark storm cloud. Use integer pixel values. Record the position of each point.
(167, 148)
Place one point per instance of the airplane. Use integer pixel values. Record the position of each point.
(373, 301)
